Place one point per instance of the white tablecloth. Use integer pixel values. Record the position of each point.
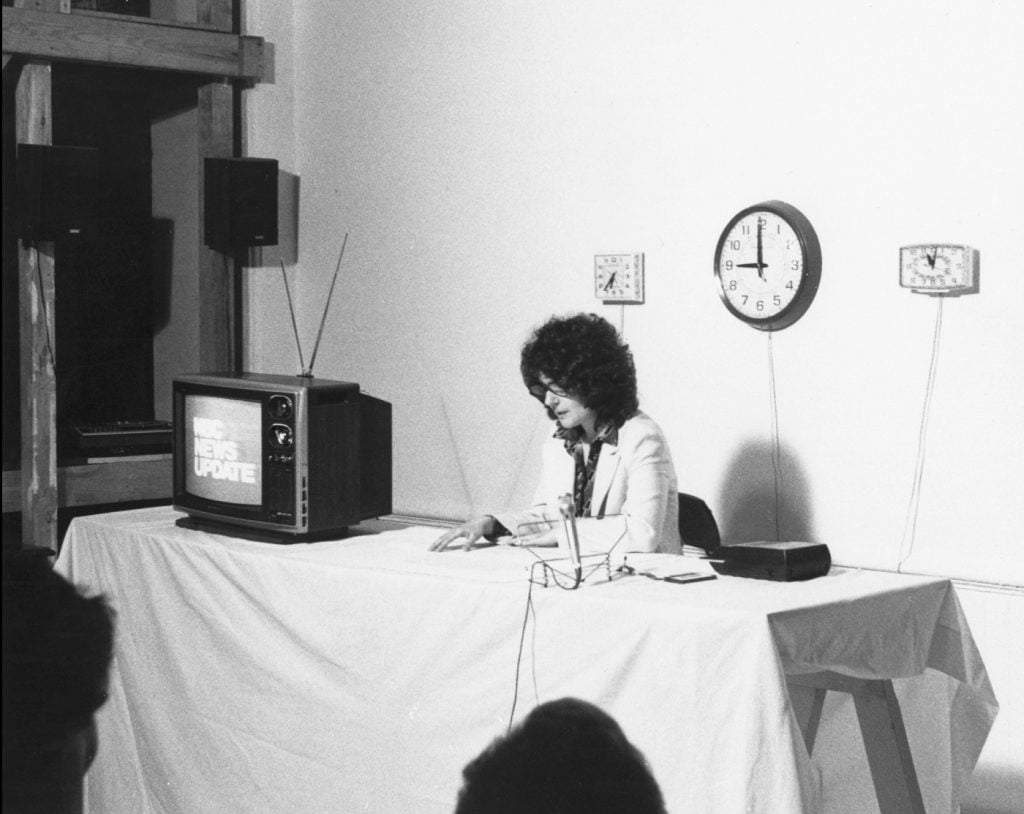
(363, 674)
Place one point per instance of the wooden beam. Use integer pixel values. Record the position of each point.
(115, 482)
(132, 42)
(33, 119)
(215, 131)
(132, 479)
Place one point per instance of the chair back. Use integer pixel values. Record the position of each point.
(697, 524)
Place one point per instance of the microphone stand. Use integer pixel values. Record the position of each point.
(568, 512)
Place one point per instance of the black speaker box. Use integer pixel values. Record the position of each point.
(240, 202)
(57, 191)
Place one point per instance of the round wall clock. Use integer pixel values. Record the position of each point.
(768, 265)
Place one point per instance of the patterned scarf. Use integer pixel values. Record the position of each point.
(585, 466)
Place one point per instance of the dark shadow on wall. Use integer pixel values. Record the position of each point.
(749, 510)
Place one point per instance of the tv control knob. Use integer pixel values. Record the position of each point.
(279, 407)
(281, 436)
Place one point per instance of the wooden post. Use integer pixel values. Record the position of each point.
(38, 342)
(216, 269)
(215, 110)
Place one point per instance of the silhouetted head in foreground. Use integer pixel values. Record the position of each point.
(566, 757)
(57, 647)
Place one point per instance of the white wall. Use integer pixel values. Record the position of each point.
(480, 154)
(268, 131)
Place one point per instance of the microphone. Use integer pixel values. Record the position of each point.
(568, 512)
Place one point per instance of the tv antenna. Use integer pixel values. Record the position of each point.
(308, 372)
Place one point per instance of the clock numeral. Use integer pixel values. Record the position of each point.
(789, 285)
(776, 300)
(734, 245)
(795, 265)
(732, 285)
(728, 265)
(760, 305)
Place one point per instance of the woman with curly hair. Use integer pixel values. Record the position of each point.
(610, 456)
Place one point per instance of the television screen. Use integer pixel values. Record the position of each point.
(223, 447)
(279, 458)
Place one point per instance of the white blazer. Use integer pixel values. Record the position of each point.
(635, 501)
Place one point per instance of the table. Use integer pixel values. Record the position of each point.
(363, 674)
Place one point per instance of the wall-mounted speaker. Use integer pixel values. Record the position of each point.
(57, 191)
(240, 199)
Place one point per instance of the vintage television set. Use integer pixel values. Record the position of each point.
(279, 458)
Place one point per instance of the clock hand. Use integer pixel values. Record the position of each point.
(760, 250)
(752, 266)
(611, 280)
(931, 258)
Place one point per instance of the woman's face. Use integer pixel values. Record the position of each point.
(568, 412)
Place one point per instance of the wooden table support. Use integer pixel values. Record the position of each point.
(881, 727)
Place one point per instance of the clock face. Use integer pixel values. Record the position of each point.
(939, 268)
(619, 277)
(768, 264)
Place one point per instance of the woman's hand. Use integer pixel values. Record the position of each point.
(471, 532)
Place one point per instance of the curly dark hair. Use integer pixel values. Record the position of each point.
(584, 355)
(566, 757)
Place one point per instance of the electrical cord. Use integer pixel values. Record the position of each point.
(519, 655)
(776, 453)
(910, 524)
(530, 609)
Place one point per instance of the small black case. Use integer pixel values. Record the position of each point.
(782, 562)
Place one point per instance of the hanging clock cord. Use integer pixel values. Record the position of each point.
(910, 523)
(776, 451)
